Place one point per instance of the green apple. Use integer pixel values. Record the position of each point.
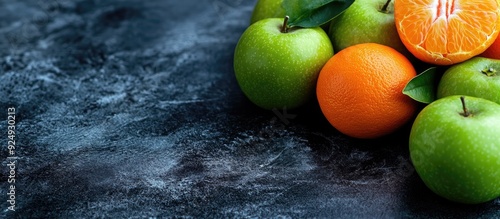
(267, 9)
(366, 21)
(278, 67)
(272, 9)
(478, 77)
(455, 148)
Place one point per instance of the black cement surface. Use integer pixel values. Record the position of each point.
(131, 109)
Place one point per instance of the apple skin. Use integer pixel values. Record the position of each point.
(470, 78)
(267, 9)
(364, 22)
(272, 9)
(275, 69)
(458, 157)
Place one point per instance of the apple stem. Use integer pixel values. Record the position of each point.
(386, 5)
(465, 113)
(489, 72)
(284, 28)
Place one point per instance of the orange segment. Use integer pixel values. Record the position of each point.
(445, 32)
(436, 35)
(414, 31)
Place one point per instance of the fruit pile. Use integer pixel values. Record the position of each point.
(370, 87)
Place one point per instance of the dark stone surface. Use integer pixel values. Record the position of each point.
(131, 109)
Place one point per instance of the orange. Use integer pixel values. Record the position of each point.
(446, 32)
(359, 90)
(493, 52)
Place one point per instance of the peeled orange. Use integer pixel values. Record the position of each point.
(445, 32)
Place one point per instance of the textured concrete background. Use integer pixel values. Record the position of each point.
(131, 109)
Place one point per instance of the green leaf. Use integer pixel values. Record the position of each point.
(422, 87)
(313, 13)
